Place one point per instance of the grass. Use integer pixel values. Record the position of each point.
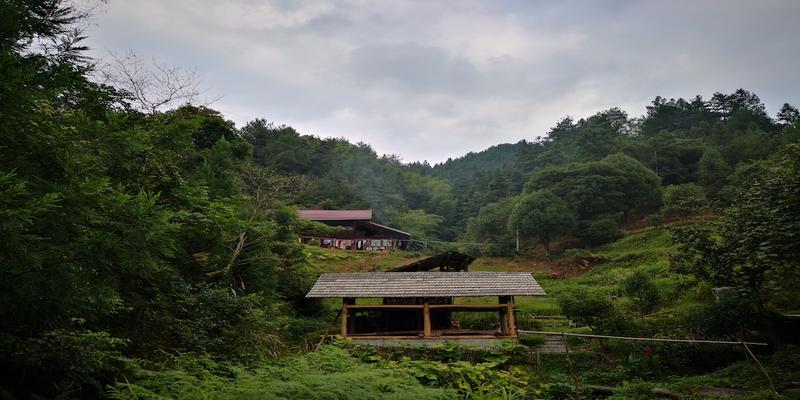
(336, 260)
(647, 251)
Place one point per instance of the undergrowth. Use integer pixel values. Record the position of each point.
(330, 373)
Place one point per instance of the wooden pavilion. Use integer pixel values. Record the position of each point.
(420, 305)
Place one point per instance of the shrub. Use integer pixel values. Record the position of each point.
(600, 231)
(684, 200)
(532, 341)
(644, 293)
(655, 220)
(585, 307)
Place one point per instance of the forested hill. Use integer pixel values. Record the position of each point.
(602, 167)
(465, 167)
(336, 174)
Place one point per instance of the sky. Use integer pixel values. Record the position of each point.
(428, 80)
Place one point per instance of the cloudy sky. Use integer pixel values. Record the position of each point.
(429, 80)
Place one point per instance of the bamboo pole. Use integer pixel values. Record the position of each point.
(771, 385)
(641, 339)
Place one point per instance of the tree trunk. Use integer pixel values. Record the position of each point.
(546, 242)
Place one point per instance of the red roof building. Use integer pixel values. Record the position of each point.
(357, 231)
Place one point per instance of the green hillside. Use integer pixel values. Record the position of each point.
(456, 170)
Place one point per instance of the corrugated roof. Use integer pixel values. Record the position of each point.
(384, 227)
(425, 284)
(335, 215)
(447, 261)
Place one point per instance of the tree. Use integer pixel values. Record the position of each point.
(684, 200)
(755, 244)
(595, 310)
(644, 293)
(673, 159)
(788, 114)
(712, 171)
(600, 231)
(616, 183)
(490, 226)
(542, 214)
(118, 227)
(153, 86)
(418, 223)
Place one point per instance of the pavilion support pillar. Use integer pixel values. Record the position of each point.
(507, 323)
(512, 323)
(426, 320)
(346, 325)
(503, 316)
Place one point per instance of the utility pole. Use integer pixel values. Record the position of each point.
(517, 235)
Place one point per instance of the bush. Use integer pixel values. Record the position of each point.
(728, 318)
(61, 363)
(600, 231)
(585, 307)
(644, 293)
(684, 200)
(655, 220)
(532, 341)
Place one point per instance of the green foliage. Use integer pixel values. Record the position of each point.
(733, 316)
(328, 373)
(416, 222)
(600, 231)
(684, 200)
(641, 289)
(466, 166)
(342, 175)
(655, 220)
(541, 214)
(590, 308)
(125, 235)
(77, 362)
(616, 183)
(754, 246)
(490, 226)
(712, 171)
(470, 372)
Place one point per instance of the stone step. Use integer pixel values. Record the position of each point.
(553, 344)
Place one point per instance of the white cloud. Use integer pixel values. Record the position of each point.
(431, 80)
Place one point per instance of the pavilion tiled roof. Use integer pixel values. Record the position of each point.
(425, 284)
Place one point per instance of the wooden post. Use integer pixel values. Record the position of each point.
(504, 317)
(426, 320)
(344, 319)
(345, 314)
(512, 326)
